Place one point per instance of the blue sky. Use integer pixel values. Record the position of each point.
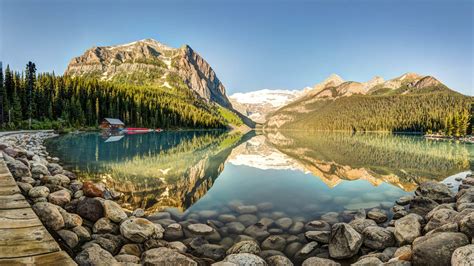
(257, 44)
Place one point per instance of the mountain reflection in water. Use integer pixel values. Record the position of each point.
(177, 169)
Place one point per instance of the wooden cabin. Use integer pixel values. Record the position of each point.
(112, 124)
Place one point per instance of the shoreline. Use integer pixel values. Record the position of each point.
(96, 229)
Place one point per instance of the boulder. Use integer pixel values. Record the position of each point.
(55, 168)
(436, 191)
(95, 255)
(82, 233)
(246, 246)
(90, 209)
(113, 211)
(315, 261)
(368, 261)
(378, 238)
(39, 170)
(212, 251)
(60, 197)
(306, 251)
(139, 229)
(126, 259)
(463, 256)
(16, 167)
(71, 220)
(296, 228)
(49, 215)
(437, 249)
(344, 241)
(407, 229)
(57, 180)
(165, 256)
(403, 253)
(438, 218)
(109, 242)
(244, 259)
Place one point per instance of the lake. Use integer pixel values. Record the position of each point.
(295, 174)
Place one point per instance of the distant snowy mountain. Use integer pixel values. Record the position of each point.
(257, 104)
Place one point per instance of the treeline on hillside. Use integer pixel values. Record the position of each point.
(444, 112)
(61, 101)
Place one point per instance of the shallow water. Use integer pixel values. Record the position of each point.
(299, 174)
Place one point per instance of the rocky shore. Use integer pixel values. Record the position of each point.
(435, 226)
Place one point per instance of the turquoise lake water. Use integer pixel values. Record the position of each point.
(299, 174)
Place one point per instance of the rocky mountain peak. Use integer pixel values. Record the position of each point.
(427, 81)
(332, 80)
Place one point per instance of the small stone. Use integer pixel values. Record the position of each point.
(330, 217)
(178, 246)
(407, 229)
(274, 243)
(296, 228)
(245, 259)
(138, 213)
(49, 215)
(463, 256)
(113, 211)
(257, 231)
(90, 209)
(284, 223)
(127, 259)
(60, 197)
(95, 255)
(139, 229)
(69, 237)
(92, 190)
(317, 225)
(246, 209)
(227, 218)
(235, 228)
(368, 261)
(377, 215)
(279, 260)
(165, 256)
(377, 238)
(247, 219)
(105, 226)
(315, 261)
(360, 224)
(200, 229)
(265, 206)
(39, 191)
(466, 225)
(173, 232)
(319, 236)
(436, 191)
(82, 233)
(246, 246)
(405, 200)
(403, 253)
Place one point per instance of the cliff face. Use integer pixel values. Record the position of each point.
(151, 62)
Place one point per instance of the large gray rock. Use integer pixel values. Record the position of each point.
(246, 246)
(437, 249)
(436, 191)
(105, 226)
(165, 256)
(245, 259)
(95, 255)
(38, 192)
(368, 261)
(463, 256)
(378, 215)
(319, 236)
(173, 232)
(139, 229)
(113, 211)
(60, 197)
(439, 218)
(344, 241)
(16, 167)
(69, 237)
(378, 238)
(38, 170)
(49, 215)
(407, 229)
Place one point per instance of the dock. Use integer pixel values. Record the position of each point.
(23, 238)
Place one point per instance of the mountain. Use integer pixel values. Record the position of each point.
(410, 102)
(257, 104)
(152, 64)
